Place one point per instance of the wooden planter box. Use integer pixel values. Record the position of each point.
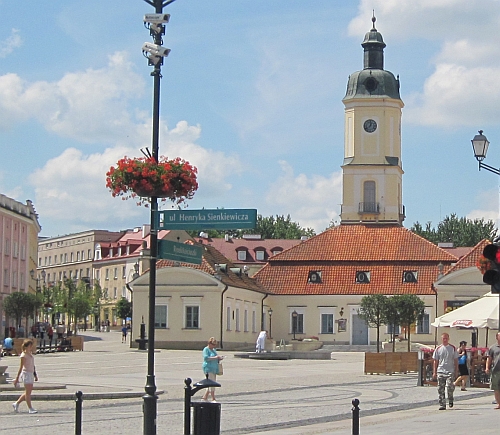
(391, 362)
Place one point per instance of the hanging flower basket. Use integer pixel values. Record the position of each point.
(142, 178)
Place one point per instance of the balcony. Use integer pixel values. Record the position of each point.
(369, 207)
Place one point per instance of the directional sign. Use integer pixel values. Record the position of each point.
(179, 252)
(219, 219)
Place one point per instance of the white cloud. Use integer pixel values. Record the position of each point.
(490, 197)
(87, 106)
(458, 91)
(313, 202)
(10, 44)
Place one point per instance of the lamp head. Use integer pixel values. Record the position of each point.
(480, 146)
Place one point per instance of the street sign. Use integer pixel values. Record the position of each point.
(219, 219)
(179, 252)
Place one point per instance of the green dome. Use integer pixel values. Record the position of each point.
(372, 83)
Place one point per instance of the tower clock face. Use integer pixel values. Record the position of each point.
(370, 125)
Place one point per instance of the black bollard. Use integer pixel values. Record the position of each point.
(78, 416)
(187, 406)
(355, 417)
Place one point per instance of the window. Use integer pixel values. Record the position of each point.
(363, 277)
(254, 321)
(50, 260)
(242, 255)
(369, 197)
(14, 279)
(245, 320)
(124, 292)
(107, 274)
(124, 272)
(410, 276)
(7, 247)
(297, 323)
(23, 252)
(89, 254)
(78, 256)
(6, 277)
(259, 255)
(83, 255)
(65, 258)
(396, 329)
(115, 276)
(115, 292)
(72, 257)
(15, 251)
(423, 325)
(55, 259)
(161, 316)
(237, 314)
(314, 277)
(327, 323)
(21, 281)
(192, 317)
(228, 318)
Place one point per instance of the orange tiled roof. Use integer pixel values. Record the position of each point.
(210, 258)
(386, 252)
(470, 259)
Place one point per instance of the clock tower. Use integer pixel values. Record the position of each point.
(372, 169)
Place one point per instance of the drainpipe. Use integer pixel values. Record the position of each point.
(131, 319)
(222, 316)
(435, 315)
(262, 312)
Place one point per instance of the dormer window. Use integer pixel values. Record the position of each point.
(362, 277)
(314, 277)
(410, 276)
(242, 255)
(260, 255)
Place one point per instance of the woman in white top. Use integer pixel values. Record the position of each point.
(27, 375)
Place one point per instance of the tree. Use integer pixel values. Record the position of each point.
(392, 318)
(279, 227)
(123, 308)
(411, 309)
(372, 310)
(16, 305)
(459, 231)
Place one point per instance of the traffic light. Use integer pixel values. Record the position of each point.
(492, 275)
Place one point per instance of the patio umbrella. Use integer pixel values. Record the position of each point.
(481, 313)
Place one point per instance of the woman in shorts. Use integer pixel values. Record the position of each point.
(26, 375)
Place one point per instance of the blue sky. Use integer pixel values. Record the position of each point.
(251, 94)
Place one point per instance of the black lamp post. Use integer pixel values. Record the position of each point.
(294, 322)
(270, 312)
(155, 58)
(480, 145)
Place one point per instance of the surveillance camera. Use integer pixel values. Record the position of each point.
(156, 18)
(155, 50)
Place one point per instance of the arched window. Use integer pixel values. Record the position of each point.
(369, 197)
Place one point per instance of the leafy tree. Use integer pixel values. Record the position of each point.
(124, 308)
(372, 310)
(16, 305)
(411, 309)
(459, 231)
(279, 227)
(392, 317)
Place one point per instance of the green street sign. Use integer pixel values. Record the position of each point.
(179, 252)
(219, 219)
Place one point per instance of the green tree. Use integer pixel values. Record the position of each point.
(459, 231)
(372, 310)
(392, 317)
(411, 309)
(123, 308)
(19, 305)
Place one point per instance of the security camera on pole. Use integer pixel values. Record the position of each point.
(155, 53)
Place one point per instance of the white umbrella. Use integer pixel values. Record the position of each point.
(481, 313)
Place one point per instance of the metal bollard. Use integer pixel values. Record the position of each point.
(78, 413)
(355, 417)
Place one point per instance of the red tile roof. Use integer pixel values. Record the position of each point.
(386, 252)
(470, 259)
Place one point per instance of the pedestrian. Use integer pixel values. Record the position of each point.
(27, 375)
(493, 367)
(211, 366)
(50, 333)
(60, 331)
(124, 333)
(462, 366)
(260, 345)
(445, 369)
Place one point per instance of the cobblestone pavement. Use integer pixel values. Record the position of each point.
(265, 397)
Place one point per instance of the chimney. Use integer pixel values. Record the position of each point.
(146, 229)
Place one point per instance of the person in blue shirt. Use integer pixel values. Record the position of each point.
(8, 345)
(210, 366)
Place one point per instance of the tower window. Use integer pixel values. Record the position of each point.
(314, 277)
(362, 277)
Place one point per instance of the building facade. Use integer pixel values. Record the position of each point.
(19, 229)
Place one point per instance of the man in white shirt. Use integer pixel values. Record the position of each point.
(445, 370)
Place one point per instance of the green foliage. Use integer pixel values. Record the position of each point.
(411, 309)
(459, 231)
(372, 310)
(18, 305)
(279, 227)
(123, 308)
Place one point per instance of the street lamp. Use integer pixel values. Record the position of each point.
(155, 54)
(270, 312)
(294, 322)
(480, 145)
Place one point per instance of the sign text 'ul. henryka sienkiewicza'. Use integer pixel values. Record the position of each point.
(220, 219)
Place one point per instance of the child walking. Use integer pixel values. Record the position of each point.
(27, 375)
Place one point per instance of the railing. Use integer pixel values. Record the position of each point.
(369, 207)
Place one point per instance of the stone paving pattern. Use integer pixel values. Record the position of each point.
(258, 397)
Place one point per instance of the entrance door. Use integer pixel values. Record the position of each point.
(359, 330)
